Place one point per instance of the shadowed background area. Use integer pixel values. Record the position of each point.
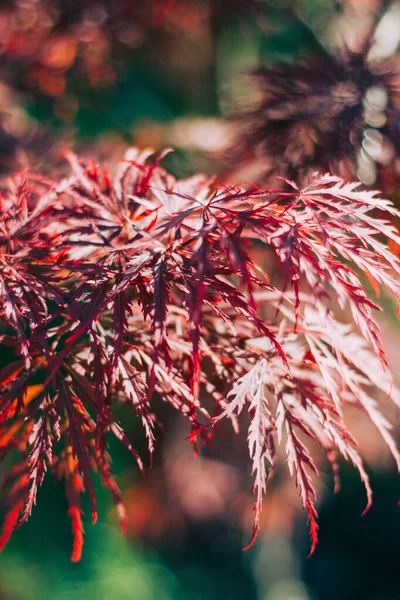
(99, 76)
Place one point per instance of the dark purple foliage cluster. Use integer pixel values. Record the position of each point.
(336, 112)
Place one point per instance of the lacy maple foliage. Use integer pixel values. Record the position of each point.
(118, 290)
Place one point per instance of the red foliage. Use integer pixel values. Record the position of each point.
(119, 290)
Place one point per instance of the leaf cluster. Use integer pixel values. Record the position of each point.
(126, 288)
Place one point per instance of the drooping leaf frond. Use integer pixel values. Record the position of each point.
(117, 291)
